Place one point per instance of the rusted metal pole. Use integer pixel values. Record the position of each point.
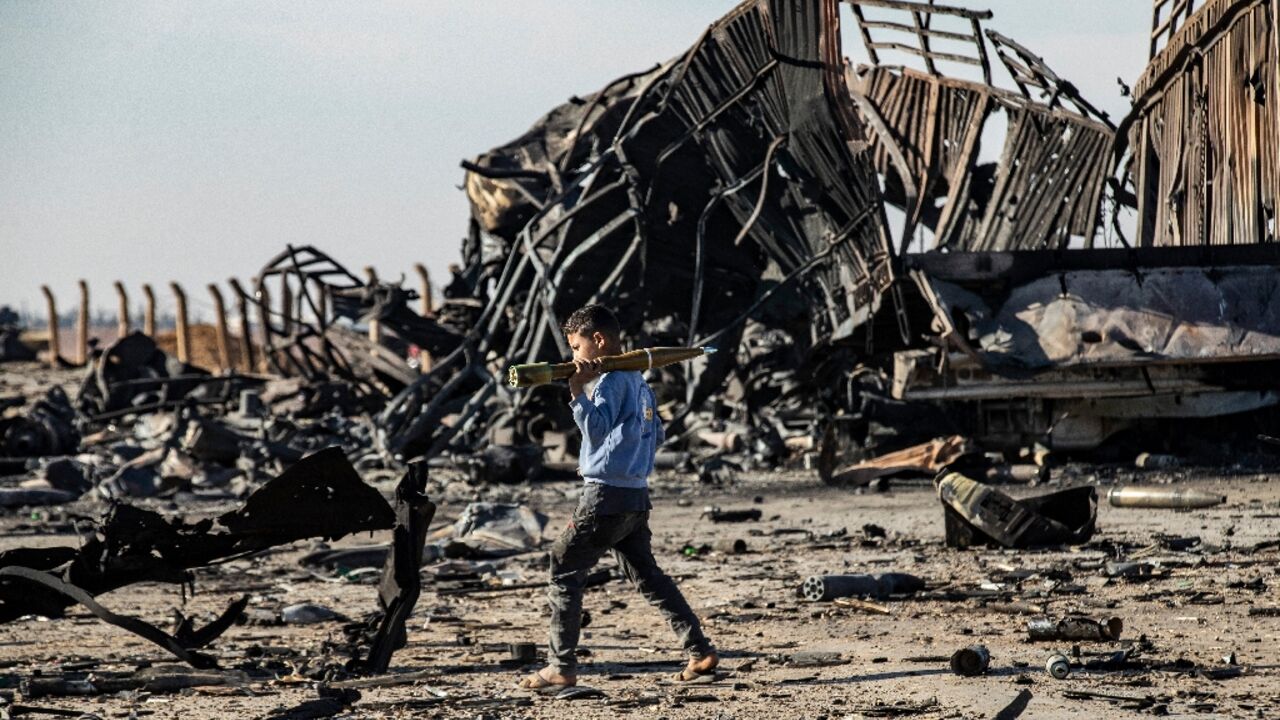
(375, 327)
(220, 321)
(122, 311)
(428, 308)
(971, 661)
(286, 306)
(322, 304)
(82, 325)
(246, 337)
(149, 311)
(182, 331)
(264, 321)
(53, 325)
(428, 303)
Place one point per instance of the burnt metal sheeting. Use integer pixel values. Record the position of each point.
(401, 575)
(133, 372)
(320, 496)
(182, 648)
(1122, 317)
(734, 184)
(1047, 186)
(1204, 132)
(48, 427)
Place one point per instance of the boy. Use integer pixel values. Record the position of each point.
(621, 431)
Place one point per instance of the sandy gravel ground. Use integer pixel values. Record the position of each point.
(1198, 612)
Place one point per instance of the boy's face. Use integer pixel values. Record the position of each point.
(588, 347)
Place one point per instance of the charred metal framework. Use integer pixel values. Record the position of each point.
(687, 197)
(927, 130)
(735, 195)
(1204, 131)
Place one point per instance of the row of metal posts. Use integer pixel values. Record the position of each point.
(248, 361)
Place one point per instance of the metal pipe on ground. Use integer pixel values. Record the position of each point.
(1074, 627)
(730, 546)
(971, 661)
(1057, 666)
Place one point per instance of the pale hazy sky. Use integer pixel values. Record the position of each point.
(164, 140)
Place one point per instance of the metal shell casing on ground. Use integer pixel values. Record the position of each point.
(971, 661)
(1163, 497)
(1057, 666)
(1074, 627)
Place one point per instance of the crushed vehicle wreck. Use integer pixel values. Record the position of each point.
(1038, 334)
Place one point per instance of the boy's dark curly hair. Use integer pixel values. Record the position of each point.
(591, 319)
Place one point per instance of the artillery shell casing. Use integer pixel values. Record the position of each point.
(1057, 666)
(1163, 497)
(971, 661)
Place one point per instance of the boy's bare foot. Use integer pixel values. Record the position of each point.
(548, 679)
(699, 666)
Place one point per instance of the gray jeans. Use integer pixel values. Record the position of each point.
(588, 537)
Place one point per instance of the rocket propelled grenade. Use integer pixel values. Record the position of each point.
(521, 376)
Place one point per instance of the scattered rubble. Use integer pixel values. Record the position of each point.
(739, 197)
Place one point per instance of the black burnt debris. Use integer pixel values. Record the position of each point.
(891, 310)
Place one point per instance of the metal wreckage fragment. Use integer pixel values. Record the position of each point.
(321, 496)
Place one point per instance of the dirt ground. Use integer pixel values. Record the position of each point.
(889, 665)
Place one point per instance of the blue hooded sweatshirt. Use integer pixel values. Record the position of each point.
(621, 430)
